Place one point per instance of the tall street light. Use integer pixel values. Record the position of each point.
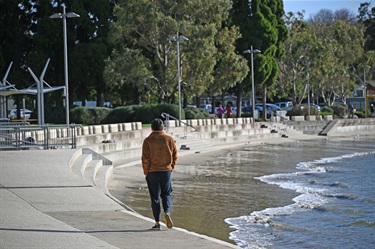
(64, 16)
(252, 51)
(177, 39)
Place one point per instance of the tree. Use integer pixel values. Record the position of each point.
(15, 42)
(367, 17)
(136, 79)
(86, 40)
(329, 54)
(262, 26)
(293, 65)
(146, 26)
(92, 46)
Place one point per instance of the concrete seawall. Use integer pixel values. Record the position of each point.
(344, 126)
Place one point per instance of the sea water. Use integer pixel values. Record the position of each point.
(334, 206)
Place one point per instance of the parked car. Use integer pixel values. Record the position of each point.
(207, 107)
(23, 113)
(287, 105)
(312, 105)
(270, 108)
(250, 108)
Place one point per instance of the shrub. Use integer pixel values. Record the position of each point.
(326, 111)
(98, 114)
(90, 116)
(121, 114)
(157, 110)
(80, 115)
(360, 114)
(196, 113)
(339, 110)
(246, 115)
(169, 109)
(146, 113)
(302, 110)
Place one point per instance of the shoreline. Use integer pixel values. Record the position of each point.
(129, 180)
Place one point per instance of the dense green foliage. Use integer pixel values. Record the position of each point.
(303, 110)
(326, 111)
(145, 61)
(265, 19)
(89, 116)
(132, 113)
(196, 113)
(119, 51)
(340, 111)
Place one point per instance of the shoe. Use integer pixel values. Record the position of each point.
(156, 227)
(169, 221)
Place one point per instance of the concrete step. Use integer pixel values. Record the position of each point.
(80, 163)
(102, 177)
(91, 170)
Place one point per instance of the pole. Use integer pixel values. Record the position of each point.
(308, 88)
(364, 92)
(179, 79)
(66, 68)
(252, 82)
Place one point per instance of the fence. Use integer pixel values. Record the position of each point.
(25, 136)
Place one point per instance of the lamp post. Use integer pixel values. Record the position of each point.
(308, 86)
(64, 16)
(251, 51)
(177, 39)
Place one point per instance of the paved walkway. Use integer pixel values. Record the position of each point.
(43, 204)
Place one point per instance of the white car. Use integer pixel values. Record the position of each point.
(23, 113)
(287, 106)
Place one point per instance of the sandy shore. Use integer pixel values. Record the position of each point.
(198, 171)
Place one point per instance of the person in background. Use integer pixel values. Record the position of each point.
(228, 111)
(372, 110)
(351, 111)
(159, 158)
(220, 111)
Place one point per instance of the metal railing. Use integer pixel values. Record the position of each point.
(24, 136)
(168, 116)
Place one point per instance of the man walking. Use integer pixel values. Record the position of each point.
(159, 157)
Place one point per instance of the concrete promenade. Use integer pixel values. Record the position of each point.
(43, 204)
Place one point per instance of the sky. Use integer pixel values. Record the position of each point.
(312, 7)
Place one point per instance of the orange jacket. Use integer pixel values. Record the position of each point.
(159, 153)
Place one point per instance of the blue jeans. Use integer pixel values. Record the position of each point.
(160, 186)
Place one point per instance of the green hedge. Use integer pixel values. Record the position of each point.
(327, 110)
(132, 113)
(122, 114)
(196, 113)
(339, 111)
(360, 114)
(89, 116)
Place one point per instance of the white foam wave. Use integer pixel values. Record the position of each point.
(251, 227)
(328, 160)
